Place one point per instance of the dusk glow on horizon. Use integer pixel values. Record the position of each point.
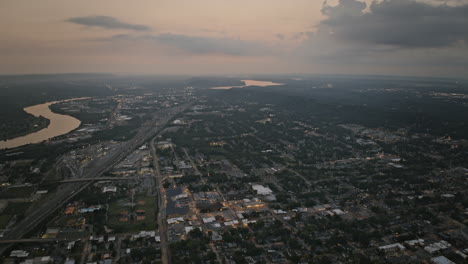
(394, 37)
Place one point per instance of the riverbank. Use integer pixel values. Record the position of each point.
(58, 125)
(34, 124)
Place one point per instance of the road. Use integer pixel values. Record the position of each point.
(162, 224)
(35, 240)
(102, 179)
(67, 191)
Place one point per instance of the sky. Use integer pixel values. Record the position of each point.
(222, 37)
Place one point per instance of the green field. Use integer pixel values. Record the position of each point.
(16, 209)
(17, 192)
(4, 220)
(149, 223)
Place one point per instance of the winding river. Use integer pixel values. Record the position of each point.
(248, 83)
(63, 124)
(59, 125)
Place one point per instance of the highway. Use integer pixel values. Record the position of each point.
(102, 179)
(67, 191)
(35, 240)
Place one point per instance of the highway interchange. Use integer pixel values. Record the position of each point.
(66, 191)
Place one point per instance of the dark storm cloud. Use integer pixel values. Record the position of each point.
(106, 22)
(389, 37)
(399, 23)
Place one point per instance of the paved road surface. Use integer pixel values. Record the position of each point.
(162, 223)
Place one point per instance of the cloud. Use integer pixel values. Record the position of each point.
(445, 2)
(299, 35)
(205, 45)
(117, 37)
(195, 44)
(280, 36)
(388, 37)
(106, 22)
(399, 23)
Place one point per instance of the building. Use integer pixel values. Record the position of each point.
(441, 260)
(392, 247)
(109, 189)
(261, 190)
(19, 253)
(164, 145)
(436, 247)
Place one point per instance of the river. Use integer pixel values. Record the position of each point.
(248, 83)
(59, 125)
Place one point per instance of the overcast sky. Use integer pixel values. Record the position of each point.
(392, 37)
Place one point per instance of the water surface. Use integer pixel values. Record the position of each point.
(59, 125)
(248, 83)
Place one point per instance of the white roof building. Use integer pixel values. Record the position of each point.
(19, 253)
(70, 261)
(207, 220)
(109, 189)
(338, 212)
(262, 190)
(461, 254)
(181, 196)
(70, 245)
(435, 247)
(188, 229)
(415, 242)
(175, 220)
(392, 247)
(441, 260)
(147, 234)
(279, 211)
(41, 260)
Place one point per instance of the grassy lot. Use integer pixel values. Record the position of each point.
(217, 157)
(62, 221)
(11, 210)
(4, 220)
(149, 223)
(17, 192)
(16, 209)
(150, 208)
